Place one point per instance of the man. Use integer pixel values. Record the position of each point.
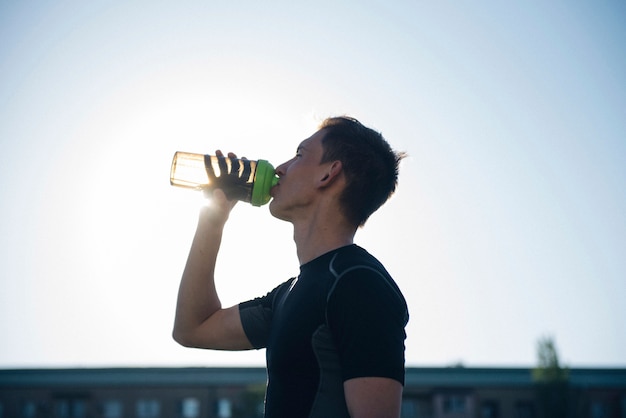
(335, 334)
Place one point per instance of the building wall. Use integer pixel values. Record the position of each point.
(123, 402)
(238, 393)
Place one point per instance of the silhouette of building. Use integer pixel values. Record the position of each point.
(454, 392)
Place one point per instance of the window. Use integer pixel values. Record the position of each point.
(148, 408)
(454, 404)
(224, 409)
(490, 409)
(190, 408)
(599, 409)
(112, 409)
(70, 408)
(408, 409)
(524, 410)
(417, 407)
(29, 409)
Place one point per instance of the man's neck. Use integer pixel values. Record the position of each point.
(314, 238)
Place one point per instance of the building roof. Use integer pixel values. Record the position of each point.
(415, 376)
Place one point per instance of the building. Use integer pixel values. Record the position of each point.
(455, 392)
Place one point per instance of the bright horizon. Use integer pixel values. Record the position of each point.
(509, 220)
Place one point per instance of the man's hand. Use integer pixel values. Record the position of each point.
(221, 205)
(233, 175)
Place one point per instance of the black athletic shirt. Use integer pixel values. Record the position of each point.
(342, 317)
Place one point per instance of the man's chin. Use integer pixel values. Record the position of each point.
(276, 212)
(273, 208)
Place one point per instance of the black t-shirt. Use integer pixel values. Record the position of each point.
(343, 317)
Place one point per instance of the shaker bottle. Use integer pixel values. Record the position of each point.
(246, 180)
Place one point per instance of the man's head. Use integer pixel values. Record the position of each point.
(343, 159)
(368, 163)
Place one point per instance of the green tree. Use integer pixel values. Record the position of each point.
(551, 380)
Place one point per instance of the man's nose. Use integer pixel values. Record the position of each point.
(281, 169)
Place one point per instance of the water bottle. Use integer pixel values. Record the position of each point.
(246, 180)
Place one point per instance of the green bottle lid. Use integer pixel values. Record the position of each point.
(264, 179)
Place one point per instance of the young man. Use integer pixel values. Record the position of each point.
(335, 333)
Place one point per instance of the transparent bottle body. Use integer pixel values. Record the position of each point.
(203, 172)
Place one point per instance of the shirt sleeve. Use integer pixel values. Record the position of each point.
(367, 315)
(257, 314)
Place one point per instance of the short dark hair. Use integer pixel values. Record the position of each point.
(369, 164)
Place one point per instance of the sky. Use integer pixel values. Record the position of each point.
(508, 224)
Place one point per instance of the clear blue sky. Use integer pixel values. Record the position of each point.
(508, 225)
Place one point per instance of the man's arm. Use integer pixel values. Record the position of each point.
(373, 397)
(367, 315)
(200, 320)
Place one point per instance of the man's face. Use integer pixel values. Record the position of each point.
(299, 179)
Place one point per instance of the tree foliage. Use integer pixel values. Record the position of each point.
(551, 380)
(548, 368)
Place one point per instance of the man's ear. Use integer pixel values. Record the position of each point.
(331, 174)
